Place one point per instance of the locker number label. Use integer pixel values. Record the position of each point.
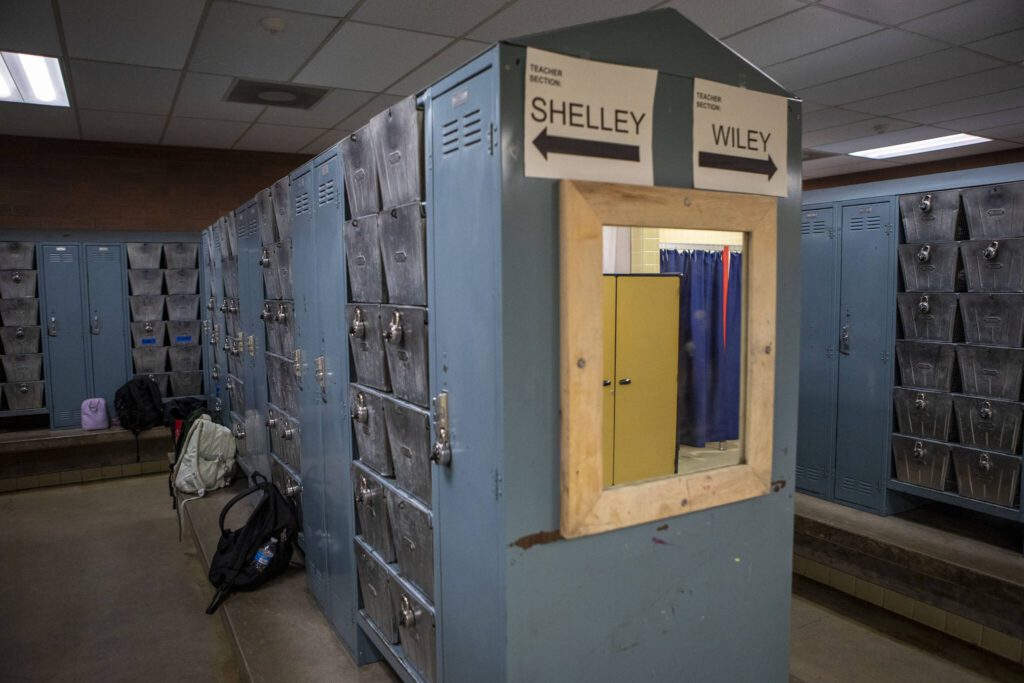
(739, 139)
(588, 120)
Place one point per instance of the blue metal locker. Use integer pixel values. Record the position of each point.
(67, 349)
(819, 330)
(866, 339)
(465, 213)
(307, 291)
(250, 274)
(107, 319)
(331, 378)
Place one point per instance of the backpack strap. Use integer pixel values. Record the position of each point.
(259, 486)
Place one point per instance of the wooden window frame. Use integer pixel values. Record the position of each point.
(585, 207)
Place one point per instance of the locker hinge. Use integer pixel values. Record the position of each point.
(828, 352)
(885, 357)
(490, 138)
(888, 228)
(831, 233)
(320, 364)
(497, 485)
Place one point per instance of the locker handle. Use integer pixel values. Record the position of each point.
(293, 489)
(94, 327)
(924, 305)
(265, 258)
(393, 332)
(920, 403)
(625, 380)
(51, 327)
(991, 251)
(986, 411)
(271, 421)
(606, 383)
(19, 333)
(360, 412)
(924, 254)
(407, 617)
(918, 451)
(265, 313)
(358, 328)
(984, 462)
(926, 203)
(844, 339)
(16, 278)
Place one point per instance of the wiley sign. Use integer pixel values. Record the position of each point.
(588, 120)
(739, 140)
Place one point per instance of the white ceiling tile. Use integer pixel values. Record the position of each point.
(121, 126)
(929, 68)
(966, 151)
(233, 42)
(268, 138)
(890, 11)
(964, 107)
(355, 57)
(449, 59)
(202, 96)
(330, 8)
(188, 132)
(146, 32)
(807, 30)
(971, 21)
(852, 131)
(895, 137)
(28, 26)
(995, 119)
(1008, 46)
(972, 85)
(828, 118)
(332, 107)
(324, 141)
(116, 87)
(808, 106)
(447, 17)
(37, 120)
(725, 17)
(862, 54)
(526, 17)
(1012, 132)
(360, 118)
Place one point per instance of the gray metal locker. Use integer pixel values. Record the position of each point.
(63, 319)
(865, 344)
(818, 357)
(107, 319)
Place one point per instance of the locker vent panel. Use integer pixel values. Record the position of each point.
(865, 222)
(65, 416)
(60, 257)
(326, 192)
(450, 137)
(247, 228)
(301, 203)
(816, 227)
(808, 473)
(471, 128)
(103, 256)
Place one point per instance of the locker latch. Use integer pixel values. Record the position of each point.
(926, 203)
(271, 420)
(265, 258)
(986, 411)
(358, 328)
(211, 304)
(94, 324)
(360, 412)
(282, 315)
(407, 616)
(320, 371)
(252, 346)
(923, 304)
(924, 254)
(51, 326)
(297, 364)
(441, 453)
(844, 339)
(239, 431)
(920, 403)
(265, 313)
(991, 251)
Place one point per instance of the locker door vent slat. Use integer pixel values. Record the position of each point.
(326, 192)
(450, 137)
(301, 203)
(471, 128)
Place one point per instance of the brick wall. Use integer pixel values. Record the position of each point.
(77, 185)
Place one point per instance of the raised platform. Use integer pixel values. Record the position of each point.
(45, 457)
(943, 567)
(278, 632)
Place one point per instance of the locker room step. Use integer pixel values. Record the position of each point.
(278, 632)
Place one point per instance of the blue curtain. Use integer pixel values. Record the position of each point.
(709, 344)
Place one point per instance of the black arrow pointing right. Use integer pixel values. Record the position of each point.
(727, 162)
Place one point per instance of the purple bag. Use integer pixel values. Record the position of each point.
(94, 414)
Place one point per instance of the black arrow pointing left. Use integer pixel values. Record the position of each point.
(554, 144)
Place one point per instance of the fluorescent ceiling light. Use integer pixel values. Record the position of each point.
(32, 79)
(921, 146)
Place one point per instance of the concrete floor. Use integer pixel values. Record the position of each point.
(101, 590)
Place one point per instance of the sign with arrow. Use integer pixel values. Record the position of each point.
(588, 120)
(739, 140)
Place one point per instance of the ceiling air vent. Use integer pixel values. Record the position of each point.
(275, 94)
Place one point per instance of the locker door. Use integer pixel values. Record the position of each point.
(67, 371)
(646, 377)
(867, 296)
(306, 290)
(330, 395)
(105, 290)
(465, 330)
(818, 362)
(253, 358)
(608, 422)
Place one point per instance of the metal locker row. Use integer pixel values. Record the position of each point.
(957, 403)
(165, 301)
(21, 365)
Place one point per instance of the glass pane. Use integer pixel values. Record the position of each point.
(673, 341)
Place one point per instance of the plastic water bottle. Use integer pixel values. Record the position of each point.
(265, 554)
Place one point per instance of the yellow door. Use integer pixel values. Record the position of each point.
(608, 375)
(646, 377)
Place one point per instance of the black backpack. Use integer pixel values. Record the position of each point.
(138, 404)
(237, 563)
